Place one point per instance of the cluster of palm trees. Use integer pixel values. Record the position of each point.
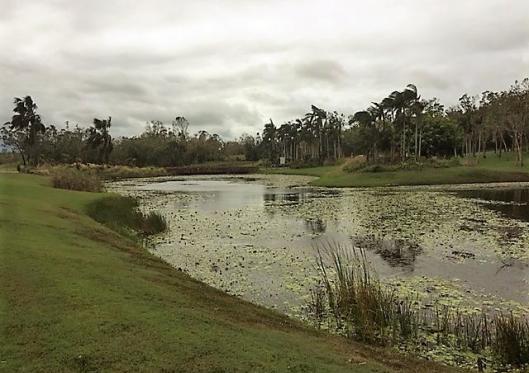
(399, 116)
(404, 127)
(316, 136)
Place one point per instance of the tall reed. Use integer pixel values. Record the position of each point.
(357, 304)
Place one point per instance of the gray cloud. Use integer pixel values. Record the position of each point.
(326, 70)
(230, 65)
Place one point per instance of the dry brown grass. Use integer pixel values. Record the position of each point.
(72, 179)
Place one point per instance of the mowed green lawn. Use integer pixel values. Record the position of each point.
(487, 170)
(75, 296)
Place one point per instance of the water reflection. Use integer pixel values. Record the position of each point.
(395, 252)
(315, 225)
(512, 203)
(283, 198)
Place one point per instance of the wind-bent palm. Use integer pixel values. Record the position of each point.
(100, 139)
(27, 125)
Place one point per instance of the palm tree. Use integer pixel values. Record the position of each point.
(389, 114)
(335, 126)
(309, 133)
(366, 121)
(303, 137)
(417, 109)
(24, 129)
(284, 139)
(269, 141)
(401, 103)
(99, 138)
(317, 120)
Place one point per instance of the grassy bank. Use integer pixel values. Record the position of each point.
(486, 170)
(77, 296)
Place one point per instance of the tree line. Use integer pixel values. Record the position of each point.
(158, 145)
(405, 127)
(402, 127)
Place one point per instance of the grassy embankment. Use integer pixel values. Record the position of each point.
(77, 296)
(487, 170)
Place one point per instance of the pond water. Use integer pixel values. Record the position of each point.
(258, 236)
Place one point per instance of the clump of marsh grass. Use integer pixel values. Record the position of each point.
(511, 345)
(152, 223)
(355, 303)
(123, 214)
(360, 305)
(316, 307)
(72, 179)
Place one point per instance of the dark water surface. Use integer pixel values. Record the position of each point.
(512, 203)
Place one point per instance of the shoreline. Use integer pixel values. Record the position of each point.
(96, 301)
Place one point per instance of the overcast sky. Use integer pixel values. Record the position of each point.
(230, 65)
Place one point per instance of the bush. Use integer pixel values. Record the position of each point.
(126, 172)
(305, 164)
(68, 178)
(409, 165)
(469, 162)
(355, 163)
(380, 168)
(122, 214)
(442, 163)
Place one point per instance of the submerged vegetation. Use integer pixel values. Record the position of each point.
(354, 302)
(122, 214)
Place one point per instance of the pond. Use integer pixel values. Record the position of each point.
(258, 236)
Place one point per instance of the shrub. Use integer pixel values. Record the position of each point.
(355, 163)
(126, 172)
(379, 168)
(469, 162)
(442, 163)
(409, 165)
(68, 178)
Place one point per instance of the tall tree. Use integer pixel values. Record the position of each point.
(269, 142)
(99, 138)
(515, 107)
(24, 130)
